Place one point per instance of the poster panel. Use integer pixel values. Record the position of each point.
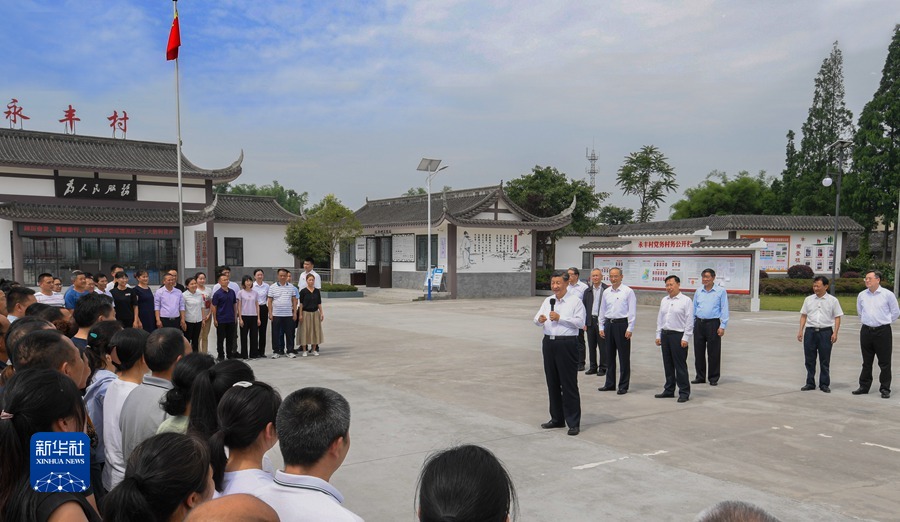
(649, 271)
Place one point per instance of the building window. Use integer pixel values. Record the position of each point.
(234, 251)
(422, 252)
(348, 247)
(587, 258)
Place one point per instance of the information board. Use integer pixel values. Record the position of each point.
(404, 248)
(649, 271)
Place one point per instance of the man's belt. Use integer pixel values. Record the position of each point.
(703, 321)
(617, 320)
(560, 337)
(671, 332)
(874, 328)
(825, 329)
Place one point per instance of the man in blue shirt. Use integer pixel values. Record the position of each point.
(710, 321)
(78, 290)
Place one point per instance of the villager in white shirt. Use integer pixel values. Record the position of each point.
(674, 329)
(820, 320)
(561, 316)
(618, 310)
(579, 287)
(877, 309)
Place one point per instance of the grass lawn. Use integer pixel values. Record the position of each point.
(792, 303)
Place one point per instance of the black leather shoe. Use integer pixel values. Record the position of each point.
(698, 381)
(580, 367)
(664, 395)
(825, 389)
(606, 388)
(711, 383)
(621, 392)
(591, 371)
(807, 387)
(549, 425)
(574, 431)
(682, 399)
(859, 391)
(601, 373)
(885, 395)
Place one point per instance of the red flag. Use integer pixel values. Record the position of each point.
(174, 40)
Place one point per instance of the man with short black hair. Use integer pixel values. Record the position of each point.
(47, 295)
(18, 299)
(52, 350)
(820, 320)
(113, 270)
(178, 285)
(282, 303)
(877, 309)
(308, 269)
(734, 511)
(89, 310)
(78, 289)
(710, 320)
(674, 328)
(141, 412)
(168, 305)
(313, 426)
(579, 287)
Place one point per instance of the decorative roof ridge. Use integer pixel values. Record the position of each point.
(479, 206)
(449, 194)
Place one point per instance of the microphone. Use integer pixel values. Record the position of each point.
(552, 302)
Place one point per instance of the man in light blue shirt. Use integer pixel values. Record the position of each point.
(710, 321)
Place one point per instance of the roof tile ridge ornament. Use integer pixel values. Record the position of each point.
(235, 166)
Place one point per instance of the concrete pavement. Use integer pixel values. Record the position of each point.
(421, 376)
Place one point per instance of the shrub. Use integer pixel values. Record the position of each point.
(334, 287)
(763, 274)
(850, 274)
(800, 272)
(845, 285)
(782, 286)
(542, 278)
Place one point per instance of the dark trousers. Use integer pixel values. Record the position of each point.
(263, 326)
(875, 342)
(193, 335)
(817, 344)
(596, 346)
(249, 331)
(707, 340)
(561, 372)
(617, 344)
(225, 335)
(283, 334)
(675, 363)
(581, 350)
(171, 322)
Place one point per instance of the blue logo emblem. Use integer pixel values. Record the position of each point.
(60, 462)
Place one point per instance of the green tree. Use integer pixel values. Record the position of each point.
(647, 175)
(784, 197)
(322, 229)
(829, 120)
(613, 215)
(872, 184)
(421, 191)
(719, 195)
(290, 199)
(546, 192)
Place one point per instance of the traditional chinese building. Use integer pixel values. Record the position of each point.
(736, 247)
(80, 202)
(484, 243)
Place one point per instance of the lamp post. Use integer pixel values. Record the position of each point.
(841, 146)
(431, 166)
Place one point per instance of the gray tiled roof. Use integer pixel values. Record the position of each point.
(456, 206)
(725, 243)
(251, 209)
(90, 214)
(21, 148)
(736, 222)
(604, 245)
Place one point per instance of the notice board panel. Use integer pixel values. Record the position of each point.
(649, 271)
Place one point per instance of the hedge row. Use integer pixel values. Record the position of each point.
(844, 285)
(334, 287)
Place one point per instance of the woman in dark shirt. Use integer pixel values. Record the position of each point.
(125, 300)
(146, 317)
(311, 317)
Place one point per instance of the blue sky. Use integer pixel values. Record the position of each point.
(345, 97)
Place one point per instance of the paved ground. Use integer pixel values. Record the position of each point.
(422, 376)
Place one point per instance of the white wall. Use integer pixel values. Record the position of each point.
(263, 244)
(5, 246)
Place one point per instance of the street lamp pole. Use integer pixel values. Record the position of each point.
(430, 166)
(841, 145)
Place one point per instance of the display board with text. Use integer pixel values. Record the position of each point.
(649, 271)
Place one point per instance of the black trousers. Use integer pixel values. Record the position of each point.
(171, 322)
(675, 363)
(817, 344)
(707, 340)
(283, 332)
(875, 342)
(582, 353)
(561, 372)
(617, 344)
(225, 334)
(193, 335)
(263, 326)
(249, 332)
(596, 346)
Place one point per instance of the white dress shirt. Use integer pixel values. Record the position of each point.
(618, 303)
(676, 314)
(578, 288)
(877, 308)
(820, 312)
(595, 304)
(262, 292)
(571, 315)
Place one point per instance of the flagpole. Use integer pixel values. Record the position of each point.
(180, 249)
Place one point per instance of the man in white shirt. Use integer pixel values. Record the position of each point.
(313, 426)
(561, 316)
(877, 309)
(308, 269)
(618, 311)
(18, 299)
(46, 294)
(579, 287)
(674, 329)
(820, 320)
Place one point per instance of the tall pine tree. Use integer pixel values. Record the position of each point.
(829, 120)
(783, 188)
